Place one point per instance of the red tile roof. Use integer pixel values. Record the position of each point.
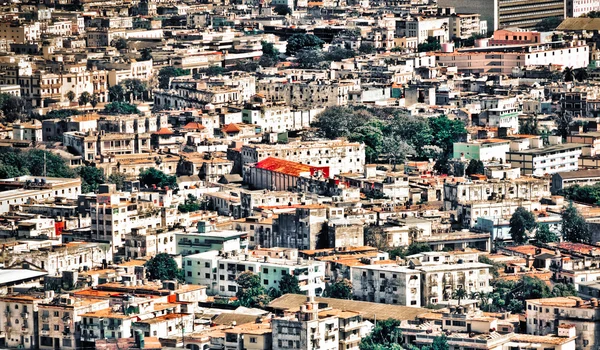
(164, 131)
(288, 167)
(231, 128)
(194, 126)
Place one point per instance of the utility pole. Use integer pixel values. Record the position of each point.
(45, 164)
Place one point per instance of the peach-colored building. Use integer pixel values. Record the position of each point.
(514, 37)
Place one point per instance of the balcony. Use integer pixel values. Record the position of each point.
(25, 315)
(45, 332)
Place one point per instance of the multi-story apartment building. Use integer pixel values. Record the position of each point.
(301, 94)
(579, 8)
(548, 160)
(502, 60)
(219, 271)
(271, 118)
(468, 212)
(524, 188)
(502, 14)
(92, 145)
(28, 131)
(25, 189)
(387, 284)
(189, 243)
(430, 281)
(20, 33)
(466, 25)
(59, 324)
(339, 155)
(423, 27)
(485, 150)
(544, 316)
(307, 329)
(18, 317)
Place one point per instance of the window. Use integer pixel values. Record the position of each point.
(56, 327)
(206, 264)
(265, 281)
(253, 339)
(231, 289)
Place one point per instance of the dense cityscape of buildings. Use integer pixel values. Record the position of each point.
(371, 174)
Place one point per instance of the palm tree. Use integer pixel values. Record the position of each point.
(146, 54)
(116, 93)
(84, 98)
(94, 99)
(581, 74)
(459, 294)
(484, 299)
(70, 95)
(473, 295)
(568, 74)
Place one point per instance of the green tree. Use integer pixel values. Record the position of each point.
(397, 150)
(270, 54)
(84, 98)
(118, 179)
(548, 24)
(135, 87)
(338, 54)
(340, 289)
(574, 226)
(564, 290)
(385, 336)
(459, 294)
(116, 93)
(250, 291)
(120, 108)
(440, 343)
(530, 126)
(153, 176)
(432, 44)
(145, 54)
(163, 267)
(310, 58)
(94, 100)
(91, 177)
(522, 223)
(190, 204)
(475, 167)
(282, 10)
(581, 74)
(445, 132)
(563, 122)
(70, 95)
(495, 267)
(213, 70)
(289, 284)
(120, 43)
(17, 162)
(298, 42)
(366, 48)
(568, 74)
(544, 235)
(166, 73)
(12, 107)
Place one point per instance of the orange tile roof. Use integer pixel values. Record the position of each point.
(283, 166)
(194, 126)
(164, 131)
(231, 128)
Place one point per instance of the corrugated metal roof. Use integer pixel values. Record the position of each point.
(368, 310)
(579, 23)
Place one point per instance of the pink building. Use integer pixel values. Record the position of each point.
(509, 37)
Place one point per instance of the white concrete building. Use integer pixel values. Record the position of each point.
(544, 316)
(339, 155)
(219, 272)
